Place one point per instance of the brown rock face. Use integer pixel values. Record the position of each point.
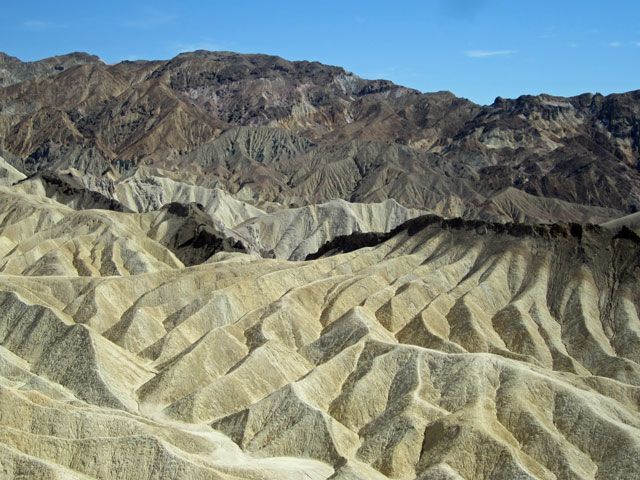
(330, 134)
(463, 317)
(14, 71)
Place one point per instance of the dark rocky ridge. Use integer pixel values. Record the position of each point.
(572, 232)
(195, 239)
(15, 71)
(65, 190)
(336, 135)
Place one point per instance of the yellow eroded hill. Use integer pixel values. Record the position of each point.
(450, 350)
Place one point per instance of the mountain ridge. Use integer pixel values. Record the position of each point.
(239, 267)
(581, 149)
(440, 351)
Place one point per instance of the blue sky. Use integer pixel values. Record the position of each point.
(476, 49)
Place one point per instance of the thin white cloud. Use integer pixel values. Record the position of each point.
(637, 44)
(615, 44)
(488, 53)
(573, 45)
(360, 20)
(41, 25)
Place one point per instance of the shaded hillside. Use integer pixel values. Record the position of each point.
(449, 349)
(15, 71)
(311, 132)
(190, 233)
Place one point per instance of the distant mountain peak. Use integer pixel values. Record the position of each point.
(370, 139)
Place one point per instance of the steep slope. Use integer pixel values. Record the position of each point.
(303, 132)
(197, 221)
(630, 221)
(189, 233)
(517, 206)
(8, 174)
(15, 71)
(446, 349)
(292, 234)
(41, 237)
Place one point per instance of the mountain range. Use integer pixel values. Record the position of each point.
(303, 132)
(229, 266)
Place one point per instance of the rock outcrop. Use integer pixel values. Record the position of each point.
(226, 266)
(444, 349)
(306, 133)
(8, 174)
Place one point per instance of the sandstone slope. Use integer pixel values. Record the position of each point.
(268, 230)
(8, 174)
(448, 349)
